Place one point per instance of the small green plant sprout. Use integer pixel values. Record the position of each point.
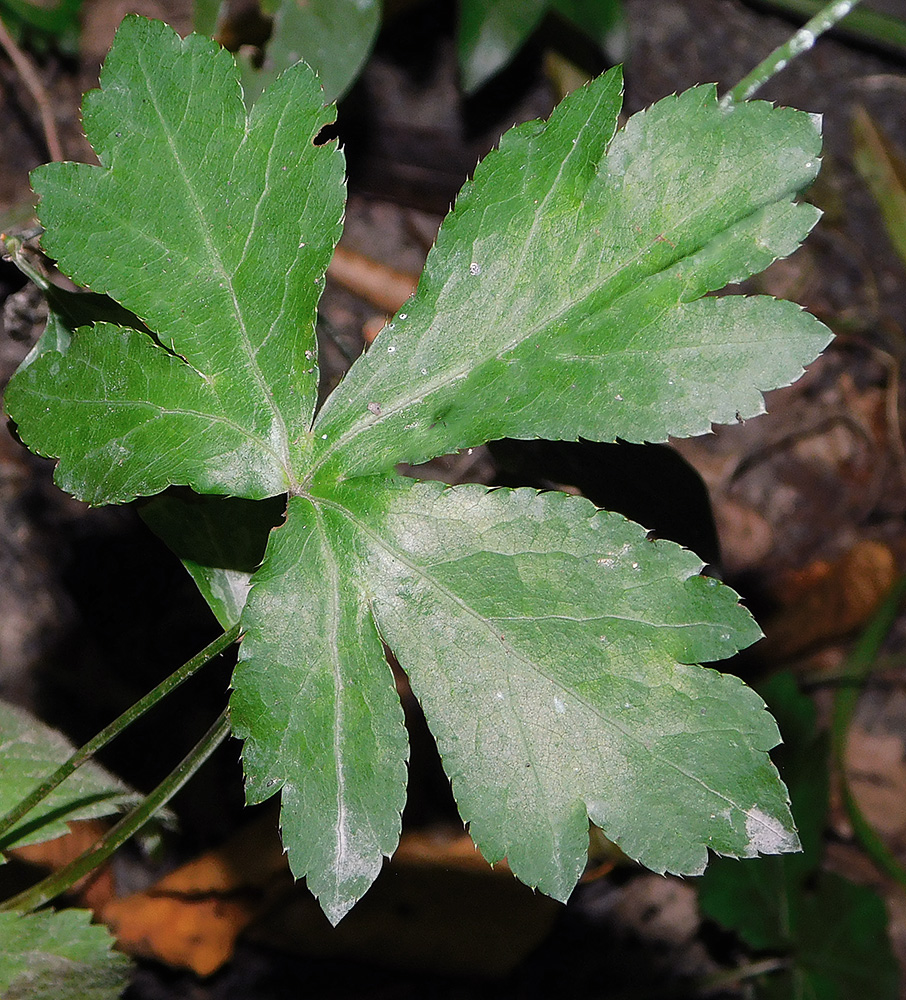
(554, 647)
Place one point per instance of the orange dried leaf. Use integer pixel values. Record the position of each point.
(192, 917)
(829, 600)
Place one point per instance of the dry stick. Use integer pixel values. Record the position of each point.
(36, 89)
(378, 284)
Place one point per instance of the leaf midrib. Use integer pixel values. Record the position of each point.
(160, 412)
(363, 424)
(333, 642)
(219, 266)
(420, 572)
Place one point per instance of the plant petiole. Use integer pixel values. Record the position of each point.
(59, 882)
(887, 31)
(800, 42)
(856, 669)
(107, 734)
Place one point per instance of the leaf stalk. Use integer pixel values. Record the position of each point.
(110, 732)
(800, 42)
(857, 668)
(887, 31)
(59, 882)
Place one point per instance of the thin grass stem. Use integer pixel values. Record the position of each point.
(59, 882)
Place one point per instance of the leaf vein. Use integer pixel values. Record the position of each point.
(219, 266)
(423, 573)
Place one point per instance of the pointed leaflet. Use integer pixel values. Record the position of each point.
(490, 33)
(314, 701)
(59, 956)
(564, 295)
(553, 649)
(216, 231)
(603, 21)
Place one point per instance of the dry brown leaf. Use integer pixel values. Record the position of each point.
(438, 894)
(444, 847)
(827, 601)
(877, 777)
(192, 917)
(96, 889)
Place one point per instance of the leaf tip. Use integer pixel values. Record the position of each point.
(769, 835)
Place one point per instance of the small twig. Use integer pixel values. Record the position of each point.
(33, 82)
(378, 284)
(734, 977)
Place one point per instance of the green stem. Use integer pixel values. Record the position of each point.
(857, 668)
(15, 247)
(66, 878)
(884, 30)
(86, 752)
(801, 42)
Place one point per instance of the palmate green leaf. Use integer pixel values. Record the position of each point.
(564, 296)
(216, 230)
(553, 648)
(59, 956)
(29, 752)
